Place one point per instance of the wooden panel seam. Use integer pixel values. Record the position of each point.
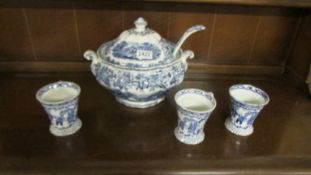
(74, 12)
(250, 56)
(293, 39)
(29, 34)
(296, 79)
(212, 34)
(289, 70)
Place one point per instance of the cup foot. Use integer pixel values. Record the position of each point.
(238, 131)
(187, 139)
(66, 131)
(136, 104)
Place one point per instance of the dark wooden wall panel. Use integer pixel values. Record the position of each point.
(54, 34)
(155, 13)
(275, 30)
(97, 25)
(181, 18)
(15, 41)
(233, 34)
(300, 59)
(236, 35)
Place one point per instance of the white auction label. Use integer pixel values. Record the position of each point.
(144, 54)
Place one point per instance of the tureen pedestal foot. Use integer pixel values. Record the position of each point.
(140, 104)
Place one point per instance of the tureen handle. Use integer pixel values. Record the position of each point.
(91, 56)
(189, 32)
(185, 55)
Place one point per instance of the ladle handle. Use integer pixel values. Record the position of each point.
(189, 32)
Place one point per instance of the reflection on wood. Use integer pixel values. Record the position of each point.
(119, 140)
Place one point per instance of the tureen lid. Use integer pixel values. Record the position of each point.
(138, 47)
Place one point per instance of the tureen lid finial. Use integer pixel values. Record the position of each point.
(140, 24)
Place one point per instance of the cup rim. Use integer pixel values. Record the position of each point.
(55, 85)
(204, 93)
(250, 87)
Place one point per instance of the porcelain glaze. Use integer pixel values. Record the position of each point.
(246, 103)
(139, 66)
(60, 101)
(194, 107)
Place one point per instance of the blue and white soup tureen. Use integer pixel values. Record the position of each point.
(140, 66)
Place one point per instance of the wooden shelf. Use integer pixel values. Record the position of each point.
(278, 3)
(115, 139)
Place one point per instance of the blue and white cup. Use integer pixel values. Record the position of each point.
(60, 101)
(246, 103)
(194, 106)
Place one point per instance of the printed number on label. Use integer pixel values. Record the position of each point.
(144, 54)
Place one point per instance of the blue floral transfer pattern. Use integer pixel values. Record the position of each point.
(124, 54)
(243, 115)
(140, 86)
(63, 115)
(190, 122)
(191, 127)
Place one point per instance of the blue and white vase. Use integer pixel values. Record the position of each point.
(246, 103)
(194, 107)
(140, 66)
(60, 101)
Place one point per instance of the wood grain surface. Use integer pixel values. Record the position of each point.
(299, 60)
(118, 140)
(278, 3)
(60, 32)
